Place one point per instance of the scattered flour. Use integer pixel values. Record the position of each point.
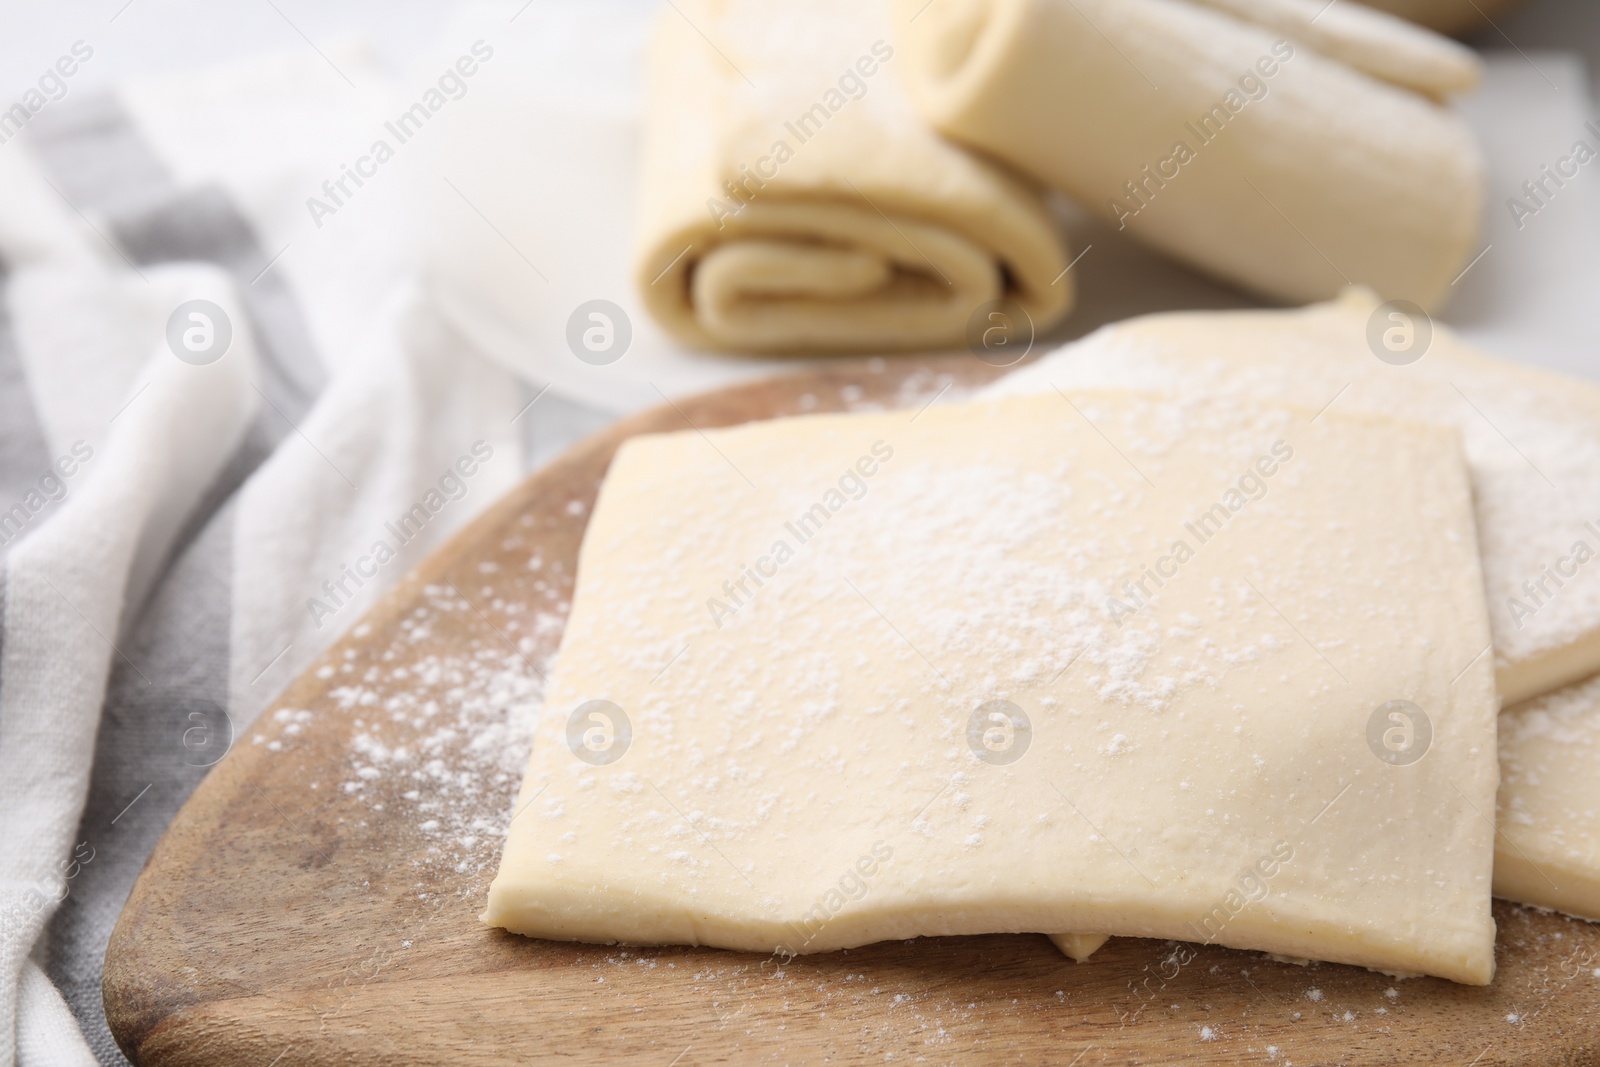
(440, 741)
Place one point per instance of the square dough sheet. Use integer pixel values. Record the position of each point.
(1104, 662)
(1532, 440)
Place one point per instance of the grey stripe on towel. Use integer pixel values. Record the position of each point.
(98, 159)
(165, 723)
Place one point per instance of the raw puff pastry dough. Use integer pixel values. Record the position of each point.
(1546, 854)
(803, 771)
(865, 231)
(1548, 849)
(1525, 432)
(1312, 155)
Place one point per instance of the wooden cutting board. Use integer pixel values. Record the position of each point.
(315, 902)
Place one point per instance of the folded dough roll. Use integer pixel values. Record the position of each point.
(791, 199)
(1289, 156)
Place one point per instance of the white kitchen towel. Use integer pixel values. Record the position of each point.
(138, 468)
(175, 529)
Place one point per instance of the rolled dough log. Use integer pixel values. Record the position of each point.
(1234, 145)
(890, 675)
(1532, 440)
(792, 201)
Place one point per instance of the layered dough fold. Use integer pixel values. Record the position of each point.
(1366, 40)
(792, 201)
(1286, 152)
